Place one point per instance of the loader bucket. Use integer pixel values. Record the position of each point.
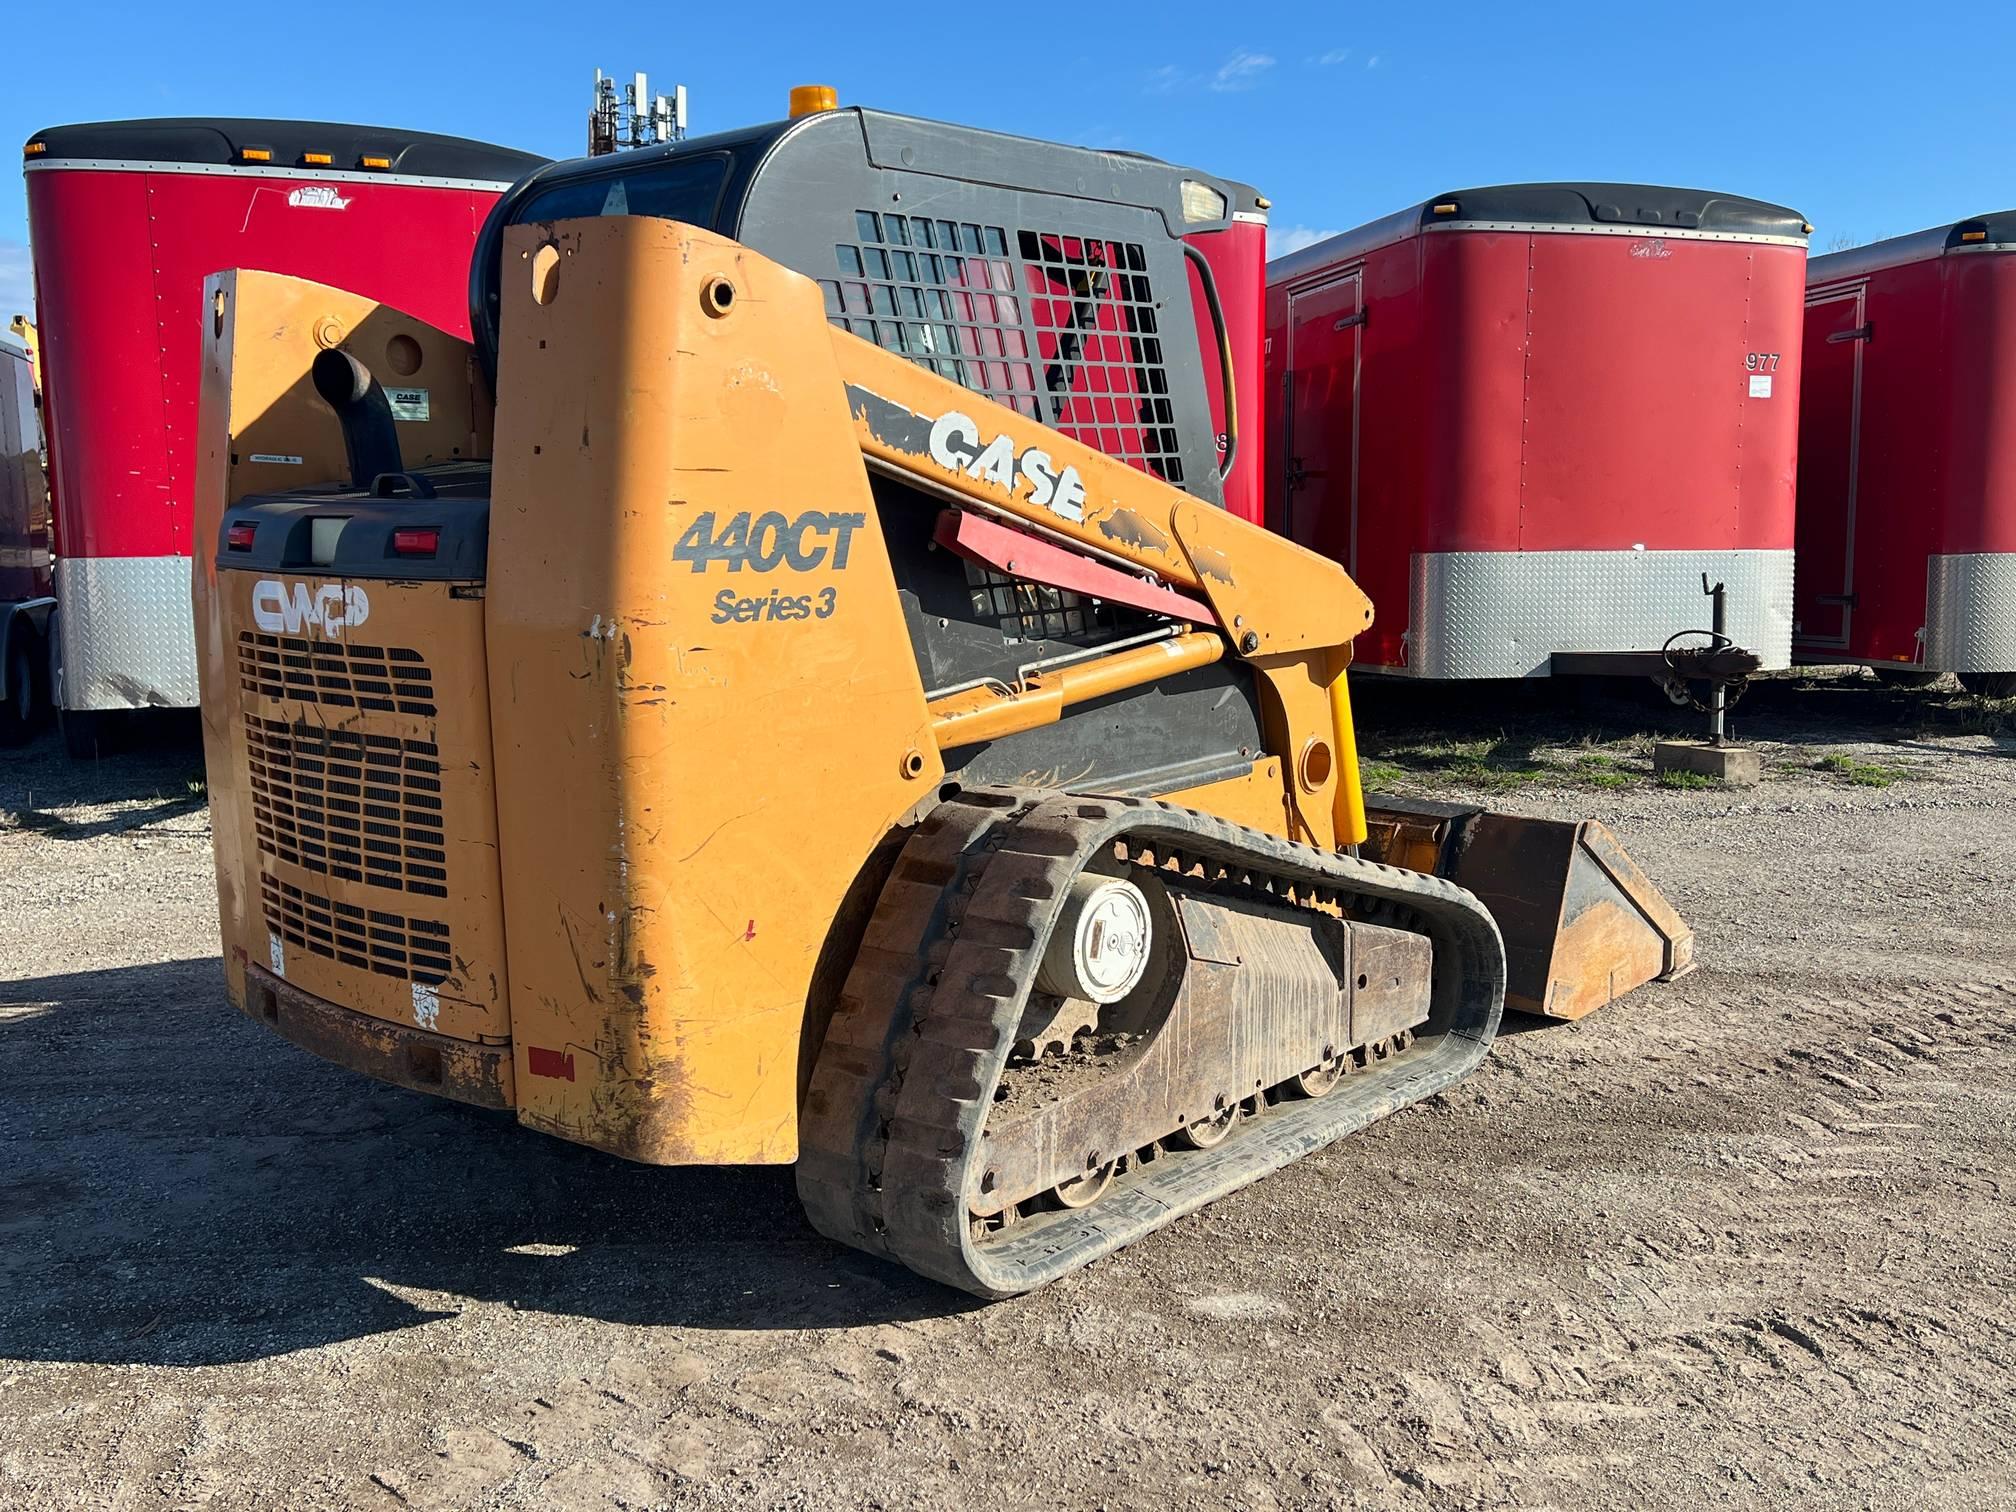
(1582, 924)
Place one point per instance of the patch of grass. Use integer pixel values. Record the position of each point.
(1599, 770)
(1380, 775)
(1610, 779)
(1492, 762)
(1975, 716)
(1680, 779)
(1501, 764)
(1859, 773)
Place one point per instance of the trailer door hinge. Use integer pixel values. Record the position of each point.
(1864, 332)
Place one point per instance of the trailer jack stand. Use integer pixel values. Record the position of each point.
(1723, 665)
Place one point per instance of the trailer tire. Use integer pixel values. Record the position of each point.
(84, 730)
(18, 710)
(1989, 684)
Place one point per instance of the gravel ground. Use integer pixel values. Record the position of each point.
(1742, 1239)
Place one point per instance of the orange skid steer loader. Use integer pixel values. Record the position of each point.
(758, 744)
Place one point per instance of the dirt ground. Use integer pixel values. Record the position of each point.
(1744, 1239)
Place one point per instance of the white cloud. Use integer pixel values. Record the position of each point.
(1168, 79)
(1372, 62)
(1332, 58)
(1281, 240)
(17, 286)
(1241, 71)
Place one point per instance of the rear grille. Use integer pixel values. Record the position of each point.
(336, 674)
(369, 939)
(365, 808)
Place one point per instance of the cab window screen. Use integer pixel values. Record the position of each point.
(684, 189)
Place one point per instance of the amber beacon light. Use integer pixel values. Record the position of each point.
(809, 99)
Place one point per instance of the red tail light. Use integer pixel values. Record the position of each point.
(239, 537)
(421, 541)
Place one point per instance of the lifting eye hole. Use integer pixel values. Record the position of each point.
(217, 314)
(403, 353)
(1315, 765)
(545, 274)
(717, 296)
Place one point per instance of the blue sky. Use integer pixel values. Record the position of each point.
(1873, 121)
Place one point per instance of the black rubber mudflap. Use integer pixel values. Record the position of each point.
(904, 1081)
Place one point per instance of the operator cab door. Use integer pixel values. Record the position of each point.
(1830, 425)
(1321, 450)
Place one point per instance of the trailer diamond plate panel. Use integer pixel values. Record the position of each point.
(1478, 614)
(129, 634)
(1970, 612)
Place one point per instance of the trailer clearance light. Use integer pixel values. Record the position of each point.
(1447, 207)
(35, 149)
(239, 537)
(416, 541)
(1972, 236)
(317, 159)
(371, 161)
(255, 154)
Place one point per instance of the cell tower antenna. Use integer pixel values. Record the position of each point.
(632, 116)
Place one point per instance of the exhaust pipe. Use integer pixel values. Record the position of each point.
(370, 434)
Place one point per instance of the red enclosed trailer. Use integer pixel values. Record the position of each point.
(1529, 418)
(126, 219)
(25, 600)
(1907, 455)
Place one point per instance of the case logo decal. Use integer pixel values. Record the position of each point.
(955, 443)
(288, 608)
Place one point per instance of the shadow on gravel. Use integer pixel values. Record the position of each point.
(154, 772)
(1431, 729)
(179, 1187)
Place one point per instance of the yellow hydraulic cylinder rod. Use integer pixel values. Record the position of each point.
(992, 711)
(1348, 803)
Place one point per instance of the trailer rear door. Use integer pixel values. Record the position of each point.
(1322, 451)
(1830, 423)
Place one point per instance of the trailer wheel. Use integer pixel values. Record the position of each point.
(1989, 684)
(83, 729)
(20, 706)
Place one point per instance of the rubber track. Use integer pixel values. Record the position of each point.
(928, 1016)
